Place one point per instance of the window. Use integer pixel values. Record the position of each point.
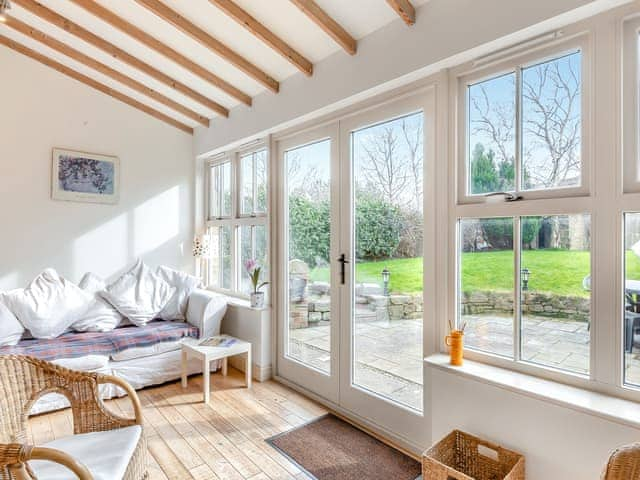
(523, 274)
(237, 222)
(542, 319)
(523, 127)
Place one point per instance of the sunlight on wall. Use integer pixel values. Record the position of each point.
(90, 255)
(156, 221)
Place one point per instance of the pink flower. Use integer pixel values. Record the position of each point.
(250, 265)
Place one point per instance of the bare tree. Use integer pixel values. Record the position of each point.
(413, 138)
(552, 123)
(385, 168)
(305, 182)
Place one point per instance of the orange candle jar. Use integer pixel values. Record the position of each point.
(455, 342)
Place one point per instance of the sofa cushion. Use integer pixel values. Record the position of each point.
(176, 308)
(139, 294)
(88, 363)
(11, 329)
(155, 349)
(49, 305)
(101, 316)
(75, 345)
(105, 454)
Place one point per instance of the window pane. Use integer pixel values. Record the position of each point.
(388, 289)
(631, 325)
(309, 265)
(220, 261)
(486, 290)
(220, 190)
(551, 123)
(253, 246)
(556, 291)
(253, 180)
(261, 181)
(491, 131)
(246, 181)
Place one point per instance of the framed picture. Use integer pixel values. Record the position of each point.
(85, 177)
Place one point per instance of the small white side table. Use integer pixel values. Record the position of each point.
(208, 354)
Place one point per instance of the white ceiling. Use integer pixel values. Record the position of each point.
(358, 17)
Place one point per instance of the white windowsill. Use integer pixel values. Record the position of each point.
(617, 410)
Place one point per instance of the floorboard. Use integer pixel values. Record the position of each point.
(223, 440)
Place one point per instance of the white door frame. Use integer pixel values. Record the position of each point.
(307, 377)
(406, 423)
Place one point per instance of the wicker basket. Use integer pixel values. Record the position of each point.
(460, 456)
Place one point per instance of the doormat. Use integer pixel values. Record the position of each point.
(331, 449)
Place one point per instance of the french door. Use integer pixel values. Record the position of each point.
(352, 262)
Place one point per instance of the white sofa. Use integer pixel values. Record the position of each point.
(148, 365)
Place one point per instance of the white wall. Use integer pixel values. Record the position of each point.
(41, 109)
(558, 442)
(445, 33)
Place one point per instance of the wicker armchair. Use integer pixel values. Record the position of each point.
(23, 380)
(623, 464)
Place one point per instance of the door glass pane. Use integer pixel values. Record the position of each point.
(309, 265)
(486, 290)
(491, 131)
(253, 246)
(388, 286)
(220, 190)
(555, 279)
(631, 320)
(551, 122)
(220, 261)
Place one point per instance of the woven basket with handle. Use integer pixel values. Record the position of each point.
(460, 456)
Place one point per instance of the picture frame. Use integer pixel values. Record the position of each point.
(85, 177)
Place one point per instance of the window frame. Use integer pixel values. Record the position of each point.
(464, 77)
(631, 105)
(236, 219)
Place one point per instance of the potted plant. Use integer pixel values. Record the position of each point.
(254, 270)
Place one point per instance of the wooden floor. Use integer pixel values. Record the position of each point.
(223, 440)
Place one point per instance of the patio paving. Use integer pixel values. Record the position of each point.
(389, 353)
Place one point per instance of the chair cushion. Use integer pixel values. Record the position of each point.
(139, 294)
(105, 454)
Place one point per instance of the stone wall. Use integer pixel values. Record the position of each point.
(542, 304)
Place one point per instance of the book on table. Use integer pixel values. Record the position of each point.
(218, 341)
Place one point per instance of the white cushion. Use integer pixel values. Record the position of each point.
(139, 294)
(101, 316)
(88, 363)
(49, 305)
(11, 329)
(156, 349)
(105, 454)
(176, 308)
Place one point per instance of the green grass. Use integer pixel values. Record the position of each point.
(555, 271)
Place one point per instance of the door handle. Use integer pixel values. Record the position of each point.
(343, 261)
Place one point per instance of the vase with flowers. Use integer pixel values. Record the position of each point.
(254, 269)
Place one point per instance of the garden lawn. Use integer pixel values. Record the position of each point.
(555, 271)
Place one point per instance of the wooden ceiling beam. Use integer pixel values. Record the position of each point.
(87, 61)
(202, 37)
(117, 53)
(13, 45)
(154, 44)
(245, 19)
(311, 9)
(405, 9)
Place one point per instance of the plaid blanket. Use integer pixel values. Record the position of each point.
(73, 345)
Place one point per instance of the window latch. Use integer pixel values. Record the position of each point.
(496, 197)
